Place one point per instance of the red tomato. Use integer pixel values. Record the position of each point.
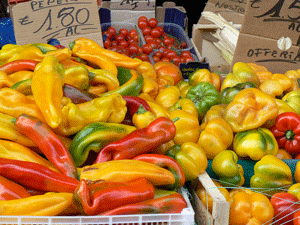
(167, 41)
(186, 54)
(148, 38)
(171, 54)
(155, 32)
(176, 60)
(183, 45)
(132, 33)
(147, 49)
(143, 18)
(112, 30)
(107, 44)
(123, 44)
(124, 31)
(158, 54)
(152, 22)
(133, 48)
(119, 38)
(142, 24)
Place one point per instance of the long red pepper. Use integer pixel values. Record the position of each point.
(18, 65)
(10, 190)
(140, 141)
(173, 203)
(48, 142)
(165, 162)
(103, 196)
(36, 176)
(133, 103)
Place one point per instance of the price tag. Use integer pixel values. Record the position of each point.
(41, 20)
(270, 35)
(133, 4)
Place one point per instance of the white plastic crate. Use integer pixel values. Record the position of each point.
(186, 217)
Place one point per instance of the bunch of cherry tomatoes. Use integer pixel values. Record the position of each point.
(158, 44)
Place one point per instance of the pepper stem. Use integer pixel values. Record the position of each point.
(175, 119)
(289, 135)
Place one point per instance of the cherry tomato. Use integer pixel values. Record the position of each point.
(161, 29)
(176, 60)
(156, 58)
(188, 59)
(164, 59)
(123, 44)
(158, 41)
(186, 54)
(114, 43)
(146, 30)
(183, 45)
(142, 24)
(148, 38)
(153, 44)
(165, 52)
(158, 54)
(132, 33)
(124, 31)
(155, 32)
(112, 30)
(167, 41)
(133, 48)
(108, 35)
(152, 22)
(171, 54)
(143, 18)
(144, 57)
(119, 38)
(107, 44)
(147, 49)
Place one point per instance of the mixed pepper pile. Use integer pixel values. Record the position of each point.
(89, 131)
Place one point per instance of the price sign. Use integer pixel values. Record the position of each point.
(65, 20)
(133, 4)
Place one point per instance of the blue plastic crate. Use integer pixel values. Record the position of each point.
(7, 35)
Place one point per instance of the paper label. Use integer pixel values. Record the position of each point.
(41, 20)
(133, 4)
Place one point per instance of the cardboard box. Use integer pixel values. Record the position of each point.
(233, 11)
(264, 24)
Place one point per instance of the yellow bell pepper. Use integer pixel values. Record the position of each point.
(103, 77)
(262, 72)
(250, 109)
(214, 112)
(12, 150)
(111, 108)
(283, 154)
(46, 85)
(255, 143)
(184, 87)
(292, 98)
(187, 127)
(294, 75)
(191, 157)
(295, 190)
(168, 96)
(205, 197)
(49, 204)
(204, 75)
(147, 70)
(276, 85)
(155, 108)
(142, 118)
(186, 105)
(127, 170)
(14, 103)
(297, 173)
(225, 166)
(165, 81)
(38, 52)
(150, 87)
(271, 174)
(77, 76)
(241, 72)
(249, 208)
(216, 137)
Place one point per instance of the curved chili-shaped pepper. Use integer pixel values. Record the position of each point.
(10, 190)
(48, 142)
(173, 203)
(140, 141)
(104, 195)
(17, 65)
(133, 103)
(36, 176)
(165, 162)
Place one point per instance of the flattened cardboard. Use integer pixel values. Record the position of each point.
(265, 22)
(129, 16)
(64, 20)
(135, 5)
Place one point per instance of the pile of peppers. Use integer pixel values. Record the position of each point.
(82, 126)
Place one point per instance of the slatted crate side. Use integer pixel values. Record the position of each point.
(220, 209)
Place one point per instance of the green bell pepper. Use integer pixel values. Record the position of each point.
(94, 137)
(255, 143)
(228, 94)
(271, 174)
(204, 95)
(225, 166)
(292, 99)
(131, 83)
(191, 157)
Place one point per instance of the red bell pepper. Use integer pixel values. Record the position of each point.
(18, 65)
(36, 176)
(287, 132)
(10, 190)
(285, 205)
(296, 218)
(165, 162)
(48, 142)
(140, 141)
(173, 203)
(103, 195)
